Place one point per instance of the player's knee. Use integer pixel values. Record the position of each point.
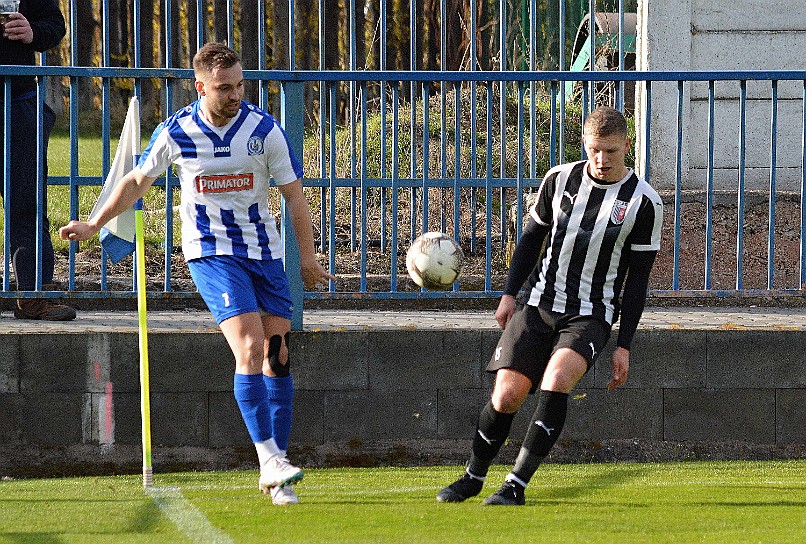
(562, 374)
(511, 389)
(507, 399)
(249, 355)
(506, 402)
(280, 369)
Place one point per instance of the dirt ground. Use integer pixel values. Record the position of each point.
(724, 261)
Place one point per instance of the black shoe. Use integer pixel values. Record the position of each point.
(460, 490)
(510, 494)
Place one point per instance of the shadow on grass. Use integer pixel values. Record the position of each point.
(613, 477)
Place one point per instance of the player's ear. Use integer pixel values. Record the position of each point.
(199, 87)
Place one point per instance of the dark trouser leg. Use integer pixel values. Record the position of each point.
(22, 200)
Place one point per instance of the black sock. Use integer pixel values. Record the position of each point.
(491, 432)
(547, 424)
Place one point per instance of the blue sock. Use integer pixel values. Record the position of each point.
(253, 400)
(281, 398)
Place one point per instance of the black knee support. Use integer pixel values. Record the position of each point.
(275, 343)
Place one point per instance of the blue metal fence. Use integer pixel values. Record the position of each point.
(390, 154)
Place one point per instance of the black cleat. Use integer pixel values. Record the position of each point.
(461, 490)
(510, 494)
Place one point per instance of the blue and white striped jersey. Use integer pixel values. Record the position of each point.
(225, 176)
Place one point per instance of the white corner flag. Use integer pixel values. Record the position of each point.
(117, 236)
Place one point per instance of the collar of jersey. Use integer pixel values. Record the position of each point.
(607, 184)
(211, 133)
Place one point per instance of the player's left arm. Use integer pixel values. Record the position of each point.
(632, 307)
(311, 270)
(642, 247)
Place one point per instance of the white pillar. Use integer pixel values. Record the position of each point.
(663, 42)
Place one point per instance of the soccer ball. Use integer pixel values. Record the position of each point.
(434, 261)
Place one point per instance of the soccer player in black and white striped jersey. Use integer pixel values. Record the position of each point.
(587, 251)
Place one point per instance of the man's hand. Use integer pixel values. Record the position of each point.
(78, 231)
(505, 311)
(314, 274)
(18, 28)
(621, 368)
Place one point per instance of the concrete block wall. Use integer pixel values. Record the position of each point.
(722, 35)
(394, 385)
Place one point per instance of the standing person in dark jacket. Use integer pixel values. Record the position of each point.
(37, 26)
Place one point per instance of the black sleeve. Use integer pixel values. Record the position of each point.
(525, 256)
(634, 297)
(47, 23)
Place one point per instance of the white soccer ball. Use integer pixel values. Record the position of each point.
(434, 261)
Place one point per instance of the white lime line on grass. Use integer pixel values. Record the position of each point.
(330, 489)
(185, 516)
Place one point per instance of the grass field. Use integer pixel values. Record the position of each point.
(731, 501)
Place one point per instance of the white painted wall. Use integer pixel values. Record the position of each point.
(722, 35)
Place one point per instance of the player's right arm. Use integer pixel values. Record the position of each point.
(523, 261)
(131, 187)
(527, 250)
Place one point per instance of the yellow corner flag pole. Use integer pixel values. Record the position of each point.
(145, 397)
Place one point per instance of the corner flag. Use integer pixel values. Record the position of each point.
(117, 236)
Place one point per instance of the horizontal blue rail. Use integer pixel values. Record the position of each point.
(418, 76)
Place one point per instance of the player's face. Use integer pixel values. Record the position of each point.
(221, 92)
(606, 156)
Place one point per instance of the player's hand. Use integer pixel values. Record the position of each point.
(621, 368)
(18, 29)
(505, 311)
(77, 231)
(314, 274)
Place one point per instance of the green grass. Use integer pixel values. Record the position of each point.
(734, 501)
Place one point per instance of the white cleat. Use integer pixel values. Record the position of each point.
(278, 472)
(283, 495)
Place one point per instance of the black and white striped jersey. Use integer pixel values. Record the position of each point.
(594, 227)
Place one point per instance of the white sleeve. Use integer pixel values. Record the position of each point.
(280, 159)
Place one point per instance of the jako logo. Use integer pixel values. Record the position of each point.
(221, 149)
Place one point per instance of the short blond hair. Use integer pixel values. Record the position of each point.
(605, 121)
(214, 56)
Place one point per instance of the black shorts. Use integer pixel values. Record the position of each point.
(534, 334)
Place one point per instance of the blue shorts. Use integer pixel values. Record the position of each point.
(235, 285)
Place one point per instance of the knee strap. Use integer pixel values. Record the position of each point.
(275, 343)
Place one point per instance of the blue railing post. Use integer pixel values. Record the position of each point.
(292, 114)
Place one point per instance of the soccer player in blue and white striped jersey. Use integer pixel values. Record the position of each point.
(587, 250)
(226, 151)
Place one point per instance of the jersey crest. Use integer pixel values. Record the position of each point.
(255, 145)
(618, 212)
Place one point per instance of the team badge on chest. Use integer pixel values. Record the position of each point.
(255, 145)
(619, 212)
